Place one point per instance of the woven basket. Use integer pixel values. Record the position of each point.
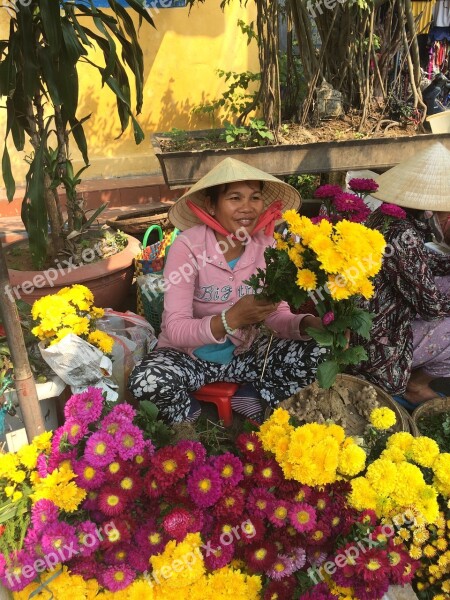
(434, 406)
(355, 423)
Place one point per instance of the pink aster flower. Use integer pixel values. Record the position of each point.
(195, 451)
(229, 468)
(84, 566)
(60, 450)
(204, 486)
(90, 503)
(114, 532)
(60, 538)
(117, 554)
(367, 517)
(150, 539)
(363, 185)
(75, 430)
(153, 487)
(178, 523)
(89, 477)
(282, 567)
(348, 203)
(259, 502)
(138, 560)
(320, 218)
(85, 407)
(327, 191)
(100, 449)
(319, 534)
(41, 465)
(260, 556)
(279, 513)
(252, 530)
(117, 577)
(268, 473)
(218, 554)
(19, 571)
(129, 441)
(392, 210)
(43, 513)
(316, 557)
(299, 558)
(112, 501)
(328, 318)
(32, 543)
(302, 516)
(88, 535)
(131, 483)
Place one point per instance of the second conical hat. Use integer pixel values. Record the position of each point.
(421, 182)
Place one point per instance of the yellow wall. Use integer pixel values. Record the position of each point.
(425, 11)
(180, 59)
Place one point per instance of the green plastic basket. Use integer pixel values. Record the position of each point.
(152, 296)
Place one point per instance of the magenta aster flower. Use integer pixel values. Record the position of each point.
(250, 446)
(41, 465)
(88, 536)
(114, 532)
(204, 486)
(327, 191)
(259, 502)
(150, 539)
(117, 554)
(84, 566)
(328, 318)
(278, 513)
(316, 557)
(320, 218)
(100, 449)
(60, 450)
(195, 451)
(129, 441)
(138, 560)
(318, 592)
(252, 530)
(60, 538)
(43, 513)
(154, 487)
(112, 500)
(282, 567)
(367, 517)
(75, 430)
(302, 516)
(85, 407)
(218, 554)
(348, 203)
(131, 483)
(89, 477)
(90, 503)
(19, 571)
(398, 558)
(117, 577)
(363, 185)
(268, 473)
(122, 411)
(229, 468)
(319, 534)
(261, 556)
(32, 543)
(170, 464)
(231, 504)
(392, 210)
(299, 558)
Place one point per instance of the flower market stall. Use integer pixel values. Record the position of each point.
(99, 510)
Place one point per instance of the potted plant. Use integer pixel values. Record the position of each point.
(47, 43)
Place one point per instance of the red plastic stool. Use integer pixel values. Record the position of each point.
(220, 394)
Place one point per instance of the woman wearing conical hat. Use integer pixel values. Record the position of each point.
(409, 344)
(227, 220)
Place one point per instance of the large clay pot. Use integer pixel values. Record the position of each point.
(109, 279)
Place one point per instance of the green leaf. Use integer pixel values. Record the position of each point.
(51, 22)
(353, 356)
(8, 178)
(67, 81)
(326, 373)
(149, 409)
(361, 322)
(322, 337)
(48, 73)
(79, 136)
(140, 6)
(73, 47)
(29, 61)
(17, 131)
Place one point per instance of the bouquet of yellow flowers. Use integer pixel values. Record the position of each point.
(71, 310)
(333, 265)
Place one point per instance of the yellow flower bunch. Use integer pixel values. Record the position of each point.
(343, 257)
(382, 418)
(314, 454)
(60, 488)
(395, 481)
(70, 310)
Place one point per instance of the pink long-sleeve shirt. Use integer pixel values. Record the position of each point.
(199, 284)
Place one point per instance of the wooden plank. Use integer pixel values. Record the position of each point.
(186, 167)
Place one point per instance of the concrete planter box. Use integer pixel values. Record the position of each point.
(185, 167)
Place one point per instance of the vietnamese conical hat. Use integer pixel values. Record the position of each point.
(421, 182)
(228, 171)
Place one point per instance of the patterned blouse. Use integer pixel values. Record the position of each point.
(404, 290)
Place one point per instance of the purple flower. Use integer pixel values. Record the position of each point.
(129, 441)
(117, 577)
(60, 538)
(327, 191)
(100, 449)
(230, 468)
(392, 210)
(281, 568)
(319, 218)
(89, 477)
(43, 513)
(88, 536)
(75, 430)
(363, 185)
(204, 486)
(85, 407)
(328, 318)
(345, 202)
(14, 577)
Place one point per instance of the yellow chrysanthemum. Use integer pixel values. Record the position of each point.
(338, 287)
(101, 340)
(352, 460)
(423, 451)
(382, 418)
(306, 279)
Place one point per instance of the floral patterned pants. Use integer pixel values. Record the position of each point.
(167, 376)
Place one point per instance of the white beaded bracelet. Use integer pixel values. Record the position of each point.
(225, 324)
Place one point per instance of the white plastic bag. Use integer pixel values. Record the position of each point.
(80, 365)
